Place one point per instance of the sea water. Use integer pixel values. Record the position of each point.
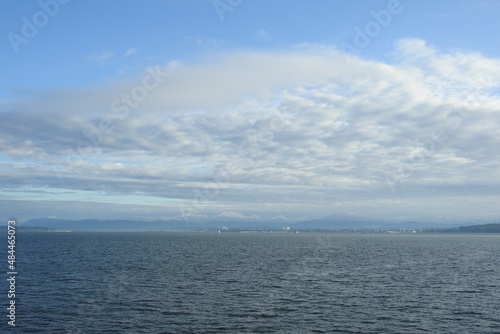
(197, 282)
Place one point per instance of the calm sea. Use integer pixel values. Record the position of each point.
(255, 283)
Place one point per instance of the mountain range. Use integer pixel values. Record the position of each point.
(332, 222)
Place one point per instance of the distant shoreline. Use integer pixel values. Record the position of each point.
(265, 231)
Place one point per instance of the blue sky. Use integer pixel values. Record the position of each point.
(270, 108)
(160, 31)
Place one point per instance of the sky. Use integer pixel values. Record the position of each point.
(257, 109)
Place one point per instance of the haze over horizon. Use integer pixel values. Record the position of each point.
(240, 109)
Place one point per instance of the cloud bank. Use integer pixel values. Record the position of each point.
(307, 131)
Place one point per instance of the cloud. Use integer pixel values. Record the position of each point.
(297, 132)
(102, 57)
(130, 52)
(232, 214)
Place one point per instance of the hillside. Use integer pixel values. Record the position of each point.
(482, 228)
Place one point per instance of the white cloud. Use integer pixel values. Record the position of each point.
(102, 57)
(130, 52)
(298, 131)
(448, 72)
(232, 214)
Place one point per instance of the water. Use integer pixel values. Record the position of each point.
(256, 283)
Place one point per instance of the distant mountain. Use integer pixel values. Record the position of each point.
(333, 222)
(418, 225)
(110, 225)
(483, 228)
(24, 228)
(350, 221)
(158, 225)
(245, 223)
(338, 221)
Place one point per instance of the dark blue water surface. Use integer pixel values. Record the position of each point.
(255, 283)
